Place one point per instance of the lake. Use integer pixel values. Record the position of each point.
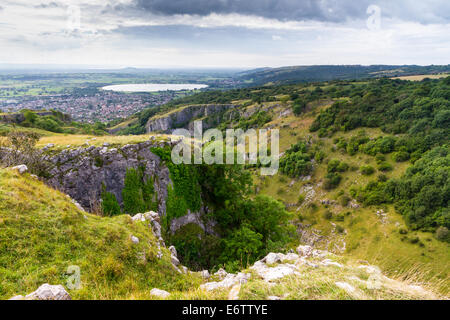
(154, 87)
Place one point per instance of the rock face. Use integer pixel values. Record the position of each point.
(181, 117)
(19, 117)
(197, 218)
(81, 172)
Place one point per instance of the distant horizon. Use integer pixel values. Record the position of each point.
(87, 67)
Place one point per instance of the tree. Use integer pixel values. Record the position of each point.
(267, 217)
(110, 206)
(243, 244)
(133, 198)
(299, 106)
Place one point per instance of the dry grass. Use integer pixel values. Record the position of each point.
(425, 76)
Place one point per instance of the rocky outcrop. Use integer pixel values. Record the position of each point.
(81, 172)
(19, 117)
(229, 281)
(197, 218)
(46, 292)
(20, 168)
(181, 118)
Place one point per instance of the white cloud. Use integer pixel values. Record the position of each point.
(40, 35)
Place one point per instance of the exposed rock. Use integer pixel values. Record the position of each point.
(74, 171)
(205, 274)
(159, 293)
(134, 239)
(174, 260)
(192, 217)
(20, 168)
(221, 273)
(138, 217)
(272, 258)
(304, 251)
(307, 251)
(273, 298)
(270, 274)
(234, 292)
(49, 292)
(173, 251)
(183, 116)
(17, 298)
(229, 281)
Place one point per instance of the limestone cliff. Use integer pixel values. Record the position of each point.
(81, 172)
(182, 117)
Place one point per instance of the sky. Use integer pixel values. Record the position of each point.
(224, 33)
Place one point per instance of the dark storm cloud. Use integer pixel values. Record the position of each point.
(320, 10)
(278, 9)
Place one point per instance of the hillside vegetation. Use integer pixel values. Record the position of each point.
(364, 174)
(365, 166)
(43, 234)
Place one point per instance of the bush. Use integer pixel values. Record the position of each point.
(443, 234)
(23, 151)
(299, 106)
(384, 166)
(138, 192)
(367, 170)
(337, 166)
(110, 206)
(297, 161)
(400, 156)
(332, 181)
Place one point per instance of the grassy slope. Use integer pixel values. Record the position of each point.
(365, 236)
(42, 234)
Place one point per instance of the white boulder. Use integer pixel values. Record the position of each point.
(159, 293)
(272, 258)
(21, 168)
(49, 292)
(134, 239)
(270, 274)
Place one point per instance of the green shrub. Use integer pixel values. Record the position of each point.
(337, 166)
(332, 181)
(384, 166)
(367, 170)
(297, 161)
(138, 192)
(110, 206)
(400, 156)
(443, 234)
